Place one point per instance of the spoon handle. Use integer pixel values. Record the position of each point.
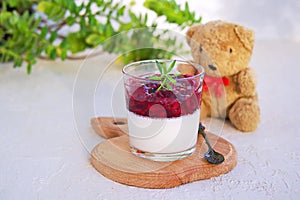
(201, 131)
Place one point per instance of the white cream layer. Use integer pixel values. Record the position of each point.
(163, 135)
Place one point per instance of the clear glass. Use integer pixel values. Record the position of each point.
(162, 123)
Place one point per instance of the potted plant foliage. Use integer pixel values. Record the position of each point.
(59, 28)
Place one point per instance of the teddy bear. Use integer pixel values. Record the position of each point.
(224, 50)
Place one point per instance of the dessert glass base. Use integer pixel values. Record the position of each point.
(163, 157)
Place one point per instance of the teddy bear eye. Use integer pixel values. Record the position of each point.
(230, 50)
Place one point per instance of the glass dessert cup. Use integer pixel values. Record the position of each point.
(163, 110)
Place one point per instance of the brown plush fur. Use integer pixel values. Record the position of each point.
(227, 47)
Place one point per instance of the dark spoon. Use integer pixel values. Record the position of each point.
(211, 155)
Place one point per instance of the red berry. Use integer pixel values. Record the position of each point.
(147, 101)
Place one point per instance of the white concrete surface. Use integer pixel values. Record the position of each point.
(45, 135)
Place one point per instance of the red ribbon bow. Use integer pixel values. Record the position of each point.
(216, 84)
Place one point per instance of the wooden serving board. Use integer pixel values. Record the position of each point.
(113, 159)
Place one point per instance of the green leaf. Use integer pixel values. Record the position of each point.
(155, 78)
(78, 9)
(76, 42)
(64, 44)
(94, 39)
(1, 35)
(133, 17)
(3, 7)
(92, 20)
(120, 12)
(4, 15)
(18, 62)
(164, 67)
(171, 79)
(186, 8)
(162, 85)
(168, 85)
(145, 18)
(63, 54)
(109, 30)
(53, 53)
(53, 10)
(159, 66)
(99, 2)
(29, 67)
(70, 20)
(44, 6)
(53, 36)
(70, 5)
(44, 31)
(171, 66)
(36, 22)
(14, 19)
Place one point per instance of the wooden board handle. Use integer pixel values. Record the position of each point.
(109, 127)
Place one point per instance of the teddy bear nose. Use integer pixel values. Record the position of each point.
(212, 67)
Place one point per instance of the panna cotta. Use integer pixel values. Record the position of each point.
(163, 135)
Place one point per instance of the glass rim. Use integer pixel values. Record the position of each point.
(164, 60)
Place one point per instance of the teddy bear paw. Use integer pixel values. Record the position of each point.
(246, 82)
(245, 114)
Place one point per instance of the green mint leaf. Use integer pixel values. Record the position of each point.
(171, 66)
(155, 78)
(173, 81)
(161, 85)
(168, 85)
(159, 66)
(166, 78)
(175, 75)
(164, 68)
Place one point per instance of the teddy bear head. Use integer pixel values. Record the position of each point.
(222, 48)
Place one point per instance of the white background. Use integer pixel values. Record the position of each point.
(45, 135)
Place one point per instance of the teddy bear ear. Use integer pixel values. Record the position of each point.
(191, 31)
(246, 36)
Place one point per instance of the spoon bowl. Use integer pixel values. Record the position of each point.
(211, 155)
(214, 157)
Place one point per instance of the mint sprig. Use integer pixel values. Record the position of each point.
(165, 78)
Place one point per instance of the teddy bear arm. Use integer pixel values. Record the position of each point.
(246, 82)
